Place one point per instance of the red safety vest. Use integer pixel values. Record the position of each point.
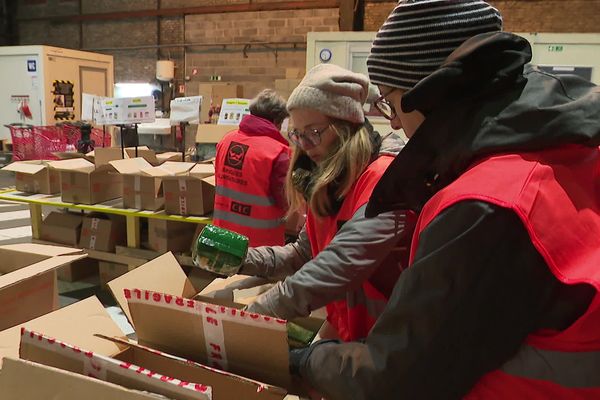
(354, 316)
(556, 194)
(242, 201)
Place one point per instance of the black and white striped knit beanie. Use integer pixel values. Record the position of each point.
(419, 35)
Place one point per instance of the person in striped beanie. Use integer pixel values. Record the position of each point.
(501, 298)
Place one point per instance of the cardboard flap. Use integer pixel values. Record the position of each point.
(210, 180)
(73, 165)
(41, 249)
(76, 323)
(26, 167)
(45, 349)
(17, 376)
(225, 385)
(104, 155)
(222, 337)
(37, 269)
(63, 220)
(162, 274)
(68, 155)
(142, 152)
(169, 156)
(170, 168)
(130, 165)
(201, 171)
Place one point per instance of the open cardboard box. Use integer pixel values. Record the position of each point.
(158, 299)
(191, 193)
(96, 331)
(142, 183)
(35, 176)
(90, 183)
(28, 285)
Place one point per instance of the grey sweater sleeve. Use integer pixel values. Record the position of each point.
(277, 262)
(341, 267)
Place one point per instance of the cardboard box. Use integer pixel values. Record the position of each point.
(77, 270)
(56, 353)
(90, 183)
(285, 87)
(214, 93)
(107, 271)
(35, 177)
(27, 380)
(294, 73)
(164, 235)
(77, 324)
(192, 193)
(28, 286)
(95, 326)
(63, 228)
(157, 297)
(142, 183)
(211, 133)
(103, 232)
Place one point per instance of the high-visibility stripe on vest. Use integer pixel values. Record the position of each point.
(556, 194)
(243, 204)
(354, 317)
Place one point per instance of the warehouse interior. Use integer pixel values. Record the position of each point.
(147, 257)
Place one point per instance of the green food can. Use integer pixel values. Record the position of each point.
(220, 250)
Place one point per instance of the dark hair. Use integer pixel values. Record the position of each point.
(270, 106)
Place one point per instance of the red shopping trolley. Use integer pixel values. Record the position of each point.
(41, 142)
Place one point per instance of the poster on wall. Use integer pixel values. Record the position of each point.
(126, 110)
(64, 103)
(232, 111)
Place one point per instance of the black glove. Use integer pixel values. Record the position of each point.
(298, 358)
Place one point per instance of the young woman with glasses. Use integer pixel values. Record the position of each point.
(341, 259)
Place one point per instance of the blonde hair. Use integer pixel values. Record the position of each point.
(347, 160)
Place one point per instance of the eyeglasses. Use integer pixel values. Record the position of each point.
(385, 107)
(307, 139)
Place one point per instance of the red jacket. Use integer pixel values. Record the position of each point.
(245, 165)
(354, 317)
(556, 194)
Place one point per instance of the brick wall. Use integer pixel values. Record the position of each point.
(261, 66)
(522, 16)
(259, 69)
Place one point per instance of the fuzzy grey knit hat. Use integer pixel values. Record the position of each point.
(419, 35)
(334, 91)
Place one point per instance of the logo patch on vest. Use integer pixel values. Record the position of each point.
(236, 154)
(240, 208)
